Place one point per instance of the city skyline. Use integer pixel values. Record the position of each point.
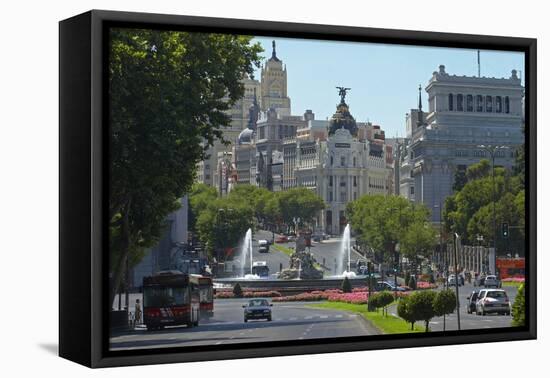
(383, 78)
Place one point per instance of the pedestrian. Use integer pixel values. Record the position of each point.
(137, 316)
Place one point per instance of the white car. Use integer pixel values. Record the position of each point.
(493, 300)
(452, 280)
(491, 281)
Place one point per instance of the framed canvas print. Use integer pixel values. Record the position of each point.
(236, 188)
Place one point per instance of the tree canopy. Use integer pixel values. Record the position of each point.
(168, 94)
(469, 211)
(382, 221)
(222, 221)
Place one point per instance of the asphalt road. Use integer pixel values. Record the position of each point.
(291, 321)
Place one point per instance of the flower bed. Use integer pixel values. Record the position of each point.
(422, 285)
(358, 297)
(514, 279)
(248, 294)
(316, 295)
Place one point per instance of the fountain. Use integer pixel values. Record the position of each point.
(301, 264)
(345, 254)
(246, 250)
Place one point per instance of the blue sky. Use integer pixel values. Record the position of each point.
(383, 78)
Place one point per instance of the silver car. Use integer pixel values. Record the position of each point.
(491, 281)
(493, 301)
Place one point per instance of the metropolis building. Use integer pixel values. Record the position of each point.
(339, 159)
(466, 116)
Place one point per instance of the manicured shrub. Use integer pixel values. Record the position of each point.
(346, 285)
(444, 302)
(237, 290)
(421, 306)
(407, 278)
(518, 308)
(404, 311)
(381, 300)
(412, 283)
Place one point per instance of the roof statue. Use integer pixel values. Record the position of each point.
(342, 91)
(342, 119)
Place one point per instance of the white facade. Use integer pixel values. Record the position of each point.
(464, 114)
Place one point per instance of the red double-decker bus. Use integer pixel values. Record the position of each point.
(171, 298)
(206, 289)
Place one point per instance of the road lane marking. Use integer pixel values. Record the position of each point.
(291, 319)
(219, 342)
(308, 317)
(339, 316)
(324, 316)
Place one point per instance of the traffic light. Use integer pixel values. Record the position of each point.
(505, 232)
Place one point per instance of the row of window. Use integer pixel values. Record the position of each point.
(343, 196)
(483, 153)
(343, 161)
(481, 103)
(342, 181)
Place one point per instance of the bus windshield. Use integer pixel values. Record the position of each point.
(159, 296)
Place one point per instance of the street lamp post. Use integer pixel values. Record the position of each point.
(491, 150)
(457, 239)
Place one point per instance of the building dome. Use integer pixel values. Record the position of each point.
(342, 119)
(246, 136)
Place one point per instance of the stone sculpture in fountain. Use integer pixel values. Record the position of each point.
(302, 264)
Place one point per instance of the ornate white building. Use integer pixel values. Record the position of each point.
(464, 114)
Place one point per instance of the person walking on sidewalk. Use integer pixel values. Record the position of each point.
(137, 314)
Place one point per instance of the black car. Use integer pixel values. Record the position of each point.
(257, 309)
(471, 301)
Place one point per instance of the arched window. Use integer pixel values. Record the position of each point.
(451, 103)
(479, 103)
(499, 104)
(469, 103)
(488, 104)
(459, 103)
(331, 160)
(507, 104)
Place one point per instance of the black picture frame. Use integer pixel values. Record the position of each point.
(83, 315)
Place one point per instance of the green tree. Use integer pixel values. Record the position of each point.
(223, 224)
(168, 94)
(383, 221)
(200, 197)
(346, 285)
(299, 204)
(518, 308)
(417, 240)
(479, 170)
(382, 300)
(444, 302)
(421, 306)
(404, 311)
(460, 180)
(519, 167)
